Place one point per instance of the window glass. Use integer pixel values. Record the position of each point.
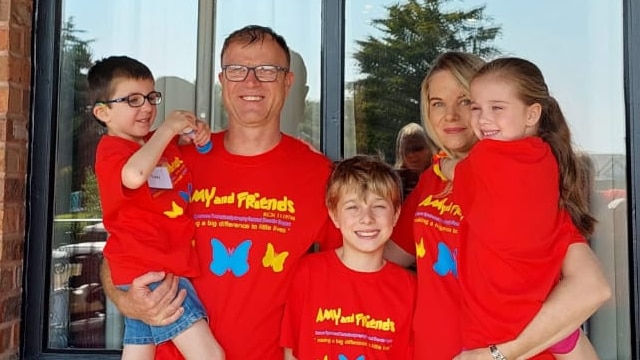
(577, 45)
(301, 112)
(80, 315)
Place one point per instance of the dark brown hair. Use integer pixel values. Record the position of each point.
(254, 33)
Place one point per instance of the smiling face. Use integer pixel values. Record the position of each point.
(365, 222)
(498, 113)
(123, 120)
(251, 103)
(449, 113)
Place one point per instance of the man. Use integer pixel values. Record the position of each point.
(258, 204)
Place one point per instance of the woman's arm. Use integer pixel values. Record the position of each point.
(159, 307)
(581, 291)
(288, 354)
(396, 254)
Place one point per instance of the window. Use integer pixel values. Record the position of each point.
(80, 315)
(387, 54)
(381, 94)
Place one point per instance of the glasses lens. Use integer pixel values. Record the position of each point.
(266, 72)
(155, 98)
(135, 100)
(236, 72)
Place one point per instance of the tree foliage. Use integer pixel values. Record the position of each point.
(414, 33)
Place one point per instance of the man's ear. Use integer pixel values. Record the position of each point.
(101, 112)
(534, 111)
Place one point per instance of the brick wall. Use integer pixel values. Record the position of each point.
(15, 77)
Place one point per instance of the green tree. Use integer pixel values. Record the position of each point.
(414, 34)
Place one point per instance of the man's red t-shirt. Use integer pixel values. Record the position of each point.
(255, 217)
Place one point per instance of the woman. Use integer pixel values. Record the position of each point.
(413, 155)
(427, 234)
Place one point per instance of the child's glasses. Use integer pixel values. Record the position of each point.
(137, 99)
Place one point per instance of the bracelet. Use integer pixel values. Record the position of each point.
(497, 355)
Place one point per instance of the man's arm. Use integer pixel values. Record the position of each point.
(159, 307)
(581, 291)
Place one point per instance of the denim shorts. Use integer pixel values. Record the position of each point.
(138, 333)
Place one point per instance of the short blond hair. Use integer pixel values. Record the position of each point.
(364, 174)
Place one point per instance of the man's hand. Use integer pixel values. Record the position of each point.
(159, 307)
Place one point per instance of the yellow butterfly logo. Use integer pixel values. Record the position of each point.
(175, 211)
(273, 259)
(420, 250)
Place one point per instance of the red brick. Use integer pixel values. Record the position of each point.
(10, 307)
(4, 99)
(4, 39)
(16, 42)
(7, 279)
(5, 8)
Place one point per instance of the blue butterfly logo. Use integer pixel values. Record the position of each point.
(343, 357)
(446, 261)
(234, 260)
(186, 195)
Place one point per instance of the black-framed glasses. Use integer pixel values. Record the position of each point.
(264, 73)
(136, 100)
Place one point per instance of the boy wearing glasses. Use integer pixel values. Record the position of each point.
(144, 190)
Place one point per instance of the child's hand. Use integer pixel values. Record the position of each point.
(179, 120)
(202, 133)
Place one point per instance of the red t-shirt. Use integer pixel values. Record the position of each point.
(514, 236)
(428, 227)
(149, 229)
(255, 217)
(332, 310)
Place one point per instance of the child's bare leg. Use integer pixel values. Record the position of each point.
(582, 351)
(197, 343)
(138, 352)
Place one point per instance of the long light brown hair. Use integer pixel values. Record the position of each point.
(529, 83)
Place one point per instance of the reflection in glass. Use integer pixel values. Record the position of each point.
(301, 113)
(390, 46)
(79, 314)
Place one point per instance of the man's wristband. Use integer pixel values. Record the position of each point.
(497, 355)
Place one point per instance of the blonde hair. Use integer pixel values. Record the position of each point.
(410, 133)
(364, 174)
(463, 67)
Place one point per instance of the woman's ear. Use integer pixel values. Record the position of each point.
(534, 111)
(101, 112)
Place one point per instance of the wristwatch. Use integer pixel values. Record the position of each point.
(497, 355)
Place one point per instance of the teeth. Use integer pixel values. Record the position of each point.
(252, 98)
(489, 133)
(367, 233)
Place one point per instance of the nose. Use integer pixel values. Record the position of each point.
(251, 77)
(451, 113)
(367, 217)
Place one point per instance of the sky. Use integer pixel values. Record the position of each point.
(576, 43)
